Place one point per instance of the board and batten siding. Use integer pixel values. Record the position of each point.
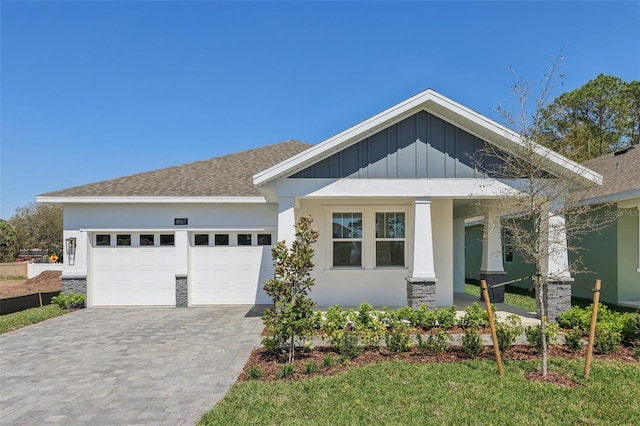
(420, 146)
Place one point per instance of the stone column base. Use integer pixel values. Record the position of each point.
(496, 294)
(77, 285)
(557, 299)
(182, 294)
(420, 292)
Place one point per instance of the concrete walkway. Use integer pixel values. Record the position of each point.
(124, 366)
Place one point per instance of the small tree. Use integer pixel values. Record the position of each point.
(8, 242)
(292, 314)
(543, 216)
(39, 226)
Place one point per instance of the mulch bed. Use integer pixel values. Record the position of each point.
(270, 364)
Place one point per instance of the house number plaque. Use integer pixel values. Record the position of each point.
(181, 221)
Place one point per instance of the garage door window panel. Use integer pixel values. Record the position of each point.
(264, 239)
(103, 240)
(244, 239)
(167, 240)
(147, 240)
(201, 239)
(221, 239)
(123, 239)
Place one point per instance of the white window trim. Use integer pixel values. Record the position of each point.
(368, 235)
(404, 239)
(331, 240)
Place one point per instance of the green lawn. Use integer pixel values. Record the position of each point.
(447, 393)
(30, 316)
(514, 296)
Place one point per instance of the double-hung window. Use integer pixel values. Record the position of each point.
(390, 239)
(347, 239)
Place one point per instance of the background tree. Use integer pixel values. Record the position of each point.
(544, 218)
(8, 242)
(593, 120)
(292, 314)
(39, 226)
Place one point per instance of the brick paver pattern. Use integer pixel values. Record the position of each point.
(124, 366)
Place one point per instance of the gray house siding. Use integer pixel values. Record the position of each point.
(420, 146)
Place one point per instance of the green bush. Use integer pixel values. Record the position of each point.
(575, 317)
(474, 316)
(435, 343)
(631, 328)
(286, 370)
(255, 372)
(369, 329)
(327, 361)
(508, 331)
(534, 335)
(573, 339)
(425, 318)
(69, 301)
(310, 367)
(446, 317)
(472, 343)
(607, 338)
(397, 336)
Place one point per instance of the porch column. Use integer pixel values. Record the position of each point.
(491, 268)
(421, 285)
(458, 256)
(286, 220)
(555, 266)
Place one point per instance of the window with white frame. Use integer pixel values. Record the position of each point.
(347, 239)
(390, 239)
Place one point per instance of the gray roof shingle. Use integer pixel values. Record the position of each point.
(227, 176)
(621, 174)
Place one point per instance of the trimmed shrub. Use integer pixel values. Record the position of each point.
(534, 335)
(607, 339)
(508, 331)
(631, 328)
(69, 301)
(435, 343)
(573, 339)
(472, 343)
(446, 317)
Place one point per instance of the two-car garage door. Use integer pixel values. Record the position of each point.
(140, 269)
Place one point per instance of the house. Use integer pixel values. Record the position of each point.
(389, 196)
(611, 254)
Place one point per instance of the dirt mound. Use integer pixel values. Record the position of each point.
(45, 282)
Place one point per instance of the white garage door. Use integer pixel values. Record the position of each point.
(133, 276)
(229, 275)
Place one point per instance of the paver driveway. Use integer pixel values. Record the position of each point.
(124, 365)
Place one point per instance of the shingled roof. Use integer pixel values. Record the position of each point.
(620, 172)
(227, 176)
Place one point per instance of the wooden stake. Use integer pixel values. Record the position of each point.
(592, 329)
(40, 298)
(494, 336)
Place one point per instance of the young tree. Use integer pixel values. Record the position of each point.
(544, 210)
(292, 314)
(39, 226)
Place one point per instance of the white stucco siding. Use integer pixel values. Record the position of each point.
(123, 216)
(350, 287)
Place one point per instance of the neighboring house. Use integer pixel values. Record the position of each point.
(611, 255)
(389, 196)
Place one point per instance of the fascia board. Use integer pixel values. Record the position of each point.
(151, 200)
(446, 109)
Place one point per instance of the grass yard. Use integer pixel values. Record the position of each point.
(514, 296)
(443, 393)
(30, 316)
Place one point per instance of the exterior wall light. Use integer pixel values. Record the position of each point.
(71, 250)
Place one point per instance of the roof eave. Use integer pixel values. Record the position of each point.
(148, 200)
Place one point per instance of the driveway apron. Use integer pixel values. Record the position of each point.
(124, 366)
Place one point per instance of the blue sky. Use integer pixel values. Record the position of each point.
(97, 90)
